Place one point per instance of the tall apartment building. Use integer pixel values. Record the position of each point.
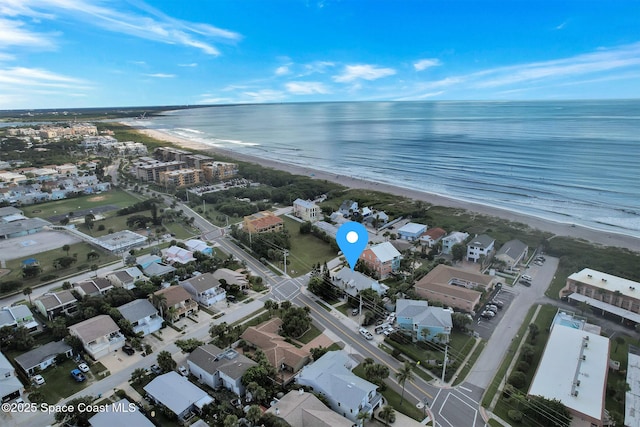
(219, 171)
(181, 177)
(151, 171)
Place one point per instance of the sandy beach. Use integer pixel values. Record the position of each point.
(556, 228)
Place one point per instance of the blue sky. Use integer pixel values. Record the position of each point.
(93, 53)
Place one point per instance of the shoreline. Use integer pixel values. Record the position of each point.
(600, 237)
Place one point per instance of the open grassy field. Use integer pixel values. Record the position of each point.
(306, 249)
(114, 197)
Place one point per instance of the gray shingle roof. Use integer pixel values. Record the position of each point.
(39, 354)
(175, 392)
(137, 309)
(481, 241)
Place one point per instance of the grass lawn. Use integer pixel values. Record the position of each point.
(114, 197)
(46, 263)
(472, 361)
(59, 383)
(312, 333)
(306, 249)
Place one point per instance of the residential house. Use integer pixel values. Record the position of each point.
(423, 322)
(263, 222)
(411, 231)
(353, 282)
(284, 356)
(480, 246)
(377, 218)
(16, 316)
(432, 236)
(453, 238)
(302, 409)
(574, 369)
(145, 261)
(175, 302)
(176, 254)
(10, 386)
(512, 253)
(195, 245)
(143, 316)
(53, 304)
(219, 368)
(231, 277)
(126, 278)
(177, 394)
(99, 335)
(159, 270)
(382, 258)
(93, 287)
(306, 210)
(205, 289)
(347, 394)
(120, 413)
(454, 287)
(40, 358)
(348, 207)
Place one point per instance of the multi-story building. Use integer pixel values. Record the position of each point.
(605, 288)
(16, 316)
(263, 222)
(169, 154)
(453, 238)
(219, 171)
(143, 316)
(306, 210)
(55, 303)
(205, 288)
(150, 171)
(383, 259)
(181, 177)
(480, 246)
(175, 302)
(99, 335)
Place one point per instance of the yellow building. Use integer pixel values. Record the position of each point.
(263, 222)
(218, 171)
(182, 177)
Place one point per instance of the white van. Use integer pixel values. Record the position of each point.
(527, 277)
(381, 328)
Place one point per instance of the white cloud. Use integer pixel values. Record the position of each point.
(352, 73)
(306, 88)
(14, 33)
(23, 87)
(28, 77)
(318, 67)
(282, 70)
(161, 75)
(264, 95)
(561, 26)
(144, 22)
(193, 64)
(423, 64)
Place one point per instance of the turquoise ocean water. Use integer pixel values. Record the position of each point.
(568, 161)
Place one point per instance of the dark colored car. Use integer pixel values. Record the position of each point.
(78, 375)
(128, 349)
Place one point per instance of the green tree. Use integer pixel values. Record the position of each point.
(534, 330)
(318, 352)
(58, 327)
(547, 412)
(387, 414)
(362, 417)
(76, 416)
(271, 306)
(619, 340)
(189, 345)
(166, 362)
(376, 373)
(296, 321)
(66, 248)
(231, 421)
(403, 375)
(458, 251)
(621, 387)
(159, 301)
(28, 291)
(460, 321)
(22, 339)
(253, 414)
(138, 376)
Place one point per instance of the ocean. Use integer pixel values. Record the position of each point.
(575, 162)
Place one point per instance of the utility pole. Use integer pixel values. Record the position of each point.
(444, 365)
(285, 253)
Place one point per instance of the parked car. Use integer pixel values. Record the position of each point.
(492, 307)
(77, 375)
(38, 379)
(128, 349)
(183, 371)
(83, 367)
(381, 328)
(539, 263)
(155, 369)
(368, 335)
(525, 282)
(487, 314)
(388, 331)
(526, 277)
(355, 311)
(497, 303)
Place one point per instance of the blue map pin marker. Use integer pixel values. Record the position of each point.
(352, 238)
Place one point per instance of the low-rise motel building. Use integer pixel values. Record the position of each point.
(262, 222)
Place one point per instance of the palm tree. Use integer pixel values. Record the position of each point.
(362, 417)
(27, 291)
(66, 247)
(387, 414)
(159, 301)
(405, 373)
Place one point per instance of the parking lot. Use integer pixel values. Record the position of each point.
(485, 327)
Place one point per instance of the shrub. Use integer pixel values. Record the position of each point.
(518, 379)
(515, 415)
(523, 366)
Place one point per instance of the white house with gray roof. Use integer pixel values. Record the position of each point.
(143, 316)
(478, 246)
(120, 413)
(452, 239)
(18, 315)
(53, 304)
(10, 386)
(346, 393)
(219, 368)
(99, 335)
(205, 289)
(126, 278)
(353, 282)
(177, 394)
(512, 252)
(42, 357)
(423, 322)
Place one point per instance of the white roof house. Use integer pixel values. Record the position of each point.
(120, 413)
(632, 397)
(176, 393)
(607, 282)
(385, 252)
(573, 369)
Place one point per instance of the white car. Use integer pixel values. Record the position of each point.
(368, 335)
(527, 277)
(388, 331)
(183, 371)
(38, 380)
(83, 367)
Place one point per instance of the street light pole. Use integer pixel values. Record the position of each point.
(444, 365)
